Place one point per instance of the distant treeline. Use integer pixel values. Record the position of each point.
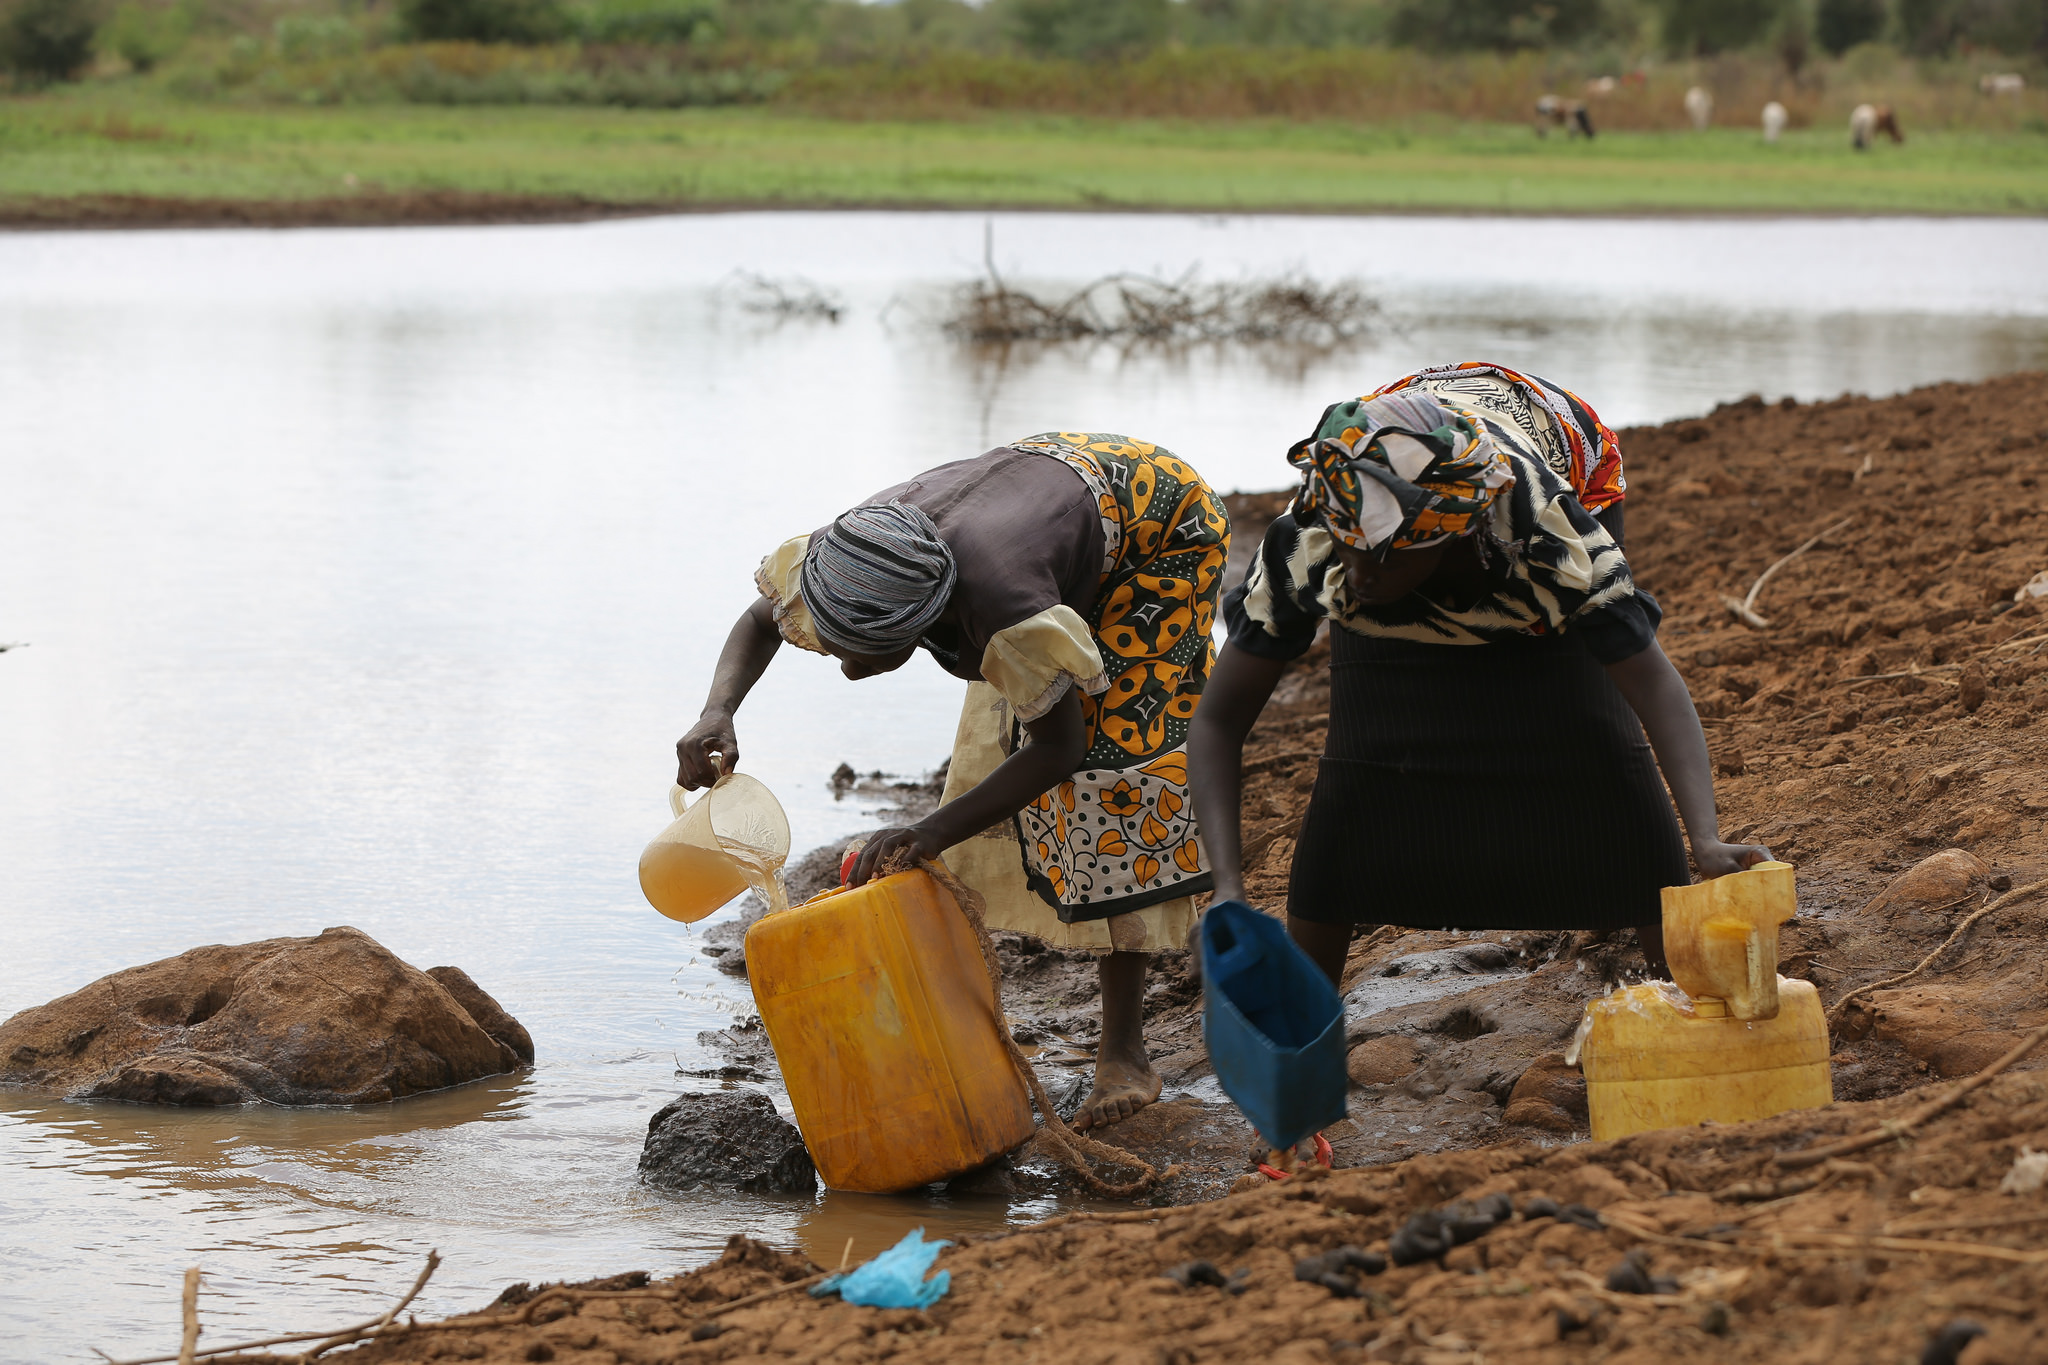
(1337, 58)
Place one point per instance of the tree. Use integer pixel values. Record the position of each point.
(483, 21)
(1706, 26)
(1087, 28)
(47, 40)
(1842, 24)
(1457, 25)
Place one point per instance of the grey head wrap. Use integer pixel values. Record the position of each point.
(877, 578)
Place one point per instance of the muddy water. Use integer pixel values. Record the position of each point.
(368, 578)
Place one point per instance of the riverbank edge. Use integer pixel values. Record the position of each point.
(459, 208)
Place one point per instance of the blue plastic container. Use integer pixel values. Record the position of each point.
(1273, 1025)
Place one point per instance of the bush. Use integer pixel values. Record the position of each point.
(47, 40)
(1707, 26)
(143, 35)
(1842, 24)
(483, 21)
(647, 21)
(1499, 25)
(314, 37)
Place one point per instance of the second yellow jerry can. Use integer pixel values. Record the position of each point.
(1655, 1057)
(882, 1019)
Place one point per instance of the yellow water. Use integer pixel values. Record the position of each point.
(686, 882)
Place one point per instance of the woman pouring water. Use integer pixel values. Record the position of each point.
(1071, 579)
(1494, 674)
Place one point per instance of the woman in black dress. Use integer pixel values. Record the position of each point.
(1493, 673)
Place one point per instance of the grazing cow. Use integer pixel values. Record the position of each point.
(1600, 87)
(1552, 112)
(1699, 107)
(2003, 83)
(1775, 119)
(1866, 121)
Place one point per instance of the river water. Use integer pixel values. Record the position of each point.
(368, 577)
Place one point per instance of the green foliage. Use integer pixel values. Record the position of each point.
(1935, 27)
(1286, 23)
(1087, 28)
(483, 21)
(144, 35)
(1707, 26)
(1499, 25)
(647, 21)
(47, 40)
(315, 37)
(1842, 24)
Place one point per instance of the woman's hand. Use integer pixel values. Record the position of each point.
(708, 752)
(1716, 859)
(919, 843)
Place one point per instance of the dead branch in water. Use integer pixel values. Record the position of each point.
(791, 298)
(1290, 310)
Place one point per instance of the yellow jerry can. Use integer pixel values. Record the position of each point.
(1656, 1058)
(880, 1012)
(1728, 1039)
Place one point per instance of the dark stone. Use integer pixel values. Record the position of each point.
(1539, 1206)
(726, 1140)
(1194, 1273)
(1948, 1343)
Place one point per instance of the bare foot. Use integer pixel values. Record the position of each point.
(1121, 1090)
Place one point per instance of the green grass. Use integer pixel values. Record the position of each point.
(95, 142)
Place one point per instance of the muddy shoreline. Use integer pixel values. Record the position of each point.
(473, 208)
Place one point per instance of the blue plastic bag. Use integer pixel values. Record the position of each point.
(894, 1279)
(1273, 1025)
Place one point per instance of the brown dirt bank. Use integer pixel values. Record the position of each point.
(1861, 1259)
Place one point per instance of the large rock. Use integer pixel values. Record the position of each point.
(336, 1019)
(726, 1140)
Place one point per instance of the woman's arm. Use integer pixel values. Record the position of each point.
(741, 663)
(1656, 693)
(1058, 743)
(1236, 693)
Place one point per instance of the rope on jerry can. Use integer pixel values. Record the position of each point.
(1081, 1154)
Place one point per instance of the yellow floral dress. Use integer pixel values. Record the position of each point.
(1110, 857)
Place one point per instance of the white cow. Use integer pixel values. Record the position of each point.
(1775, 119)
(2003, 83)
(1866, 121)
(1699, 107)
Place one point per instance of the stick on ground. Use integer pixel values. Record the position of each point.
(1745, 610)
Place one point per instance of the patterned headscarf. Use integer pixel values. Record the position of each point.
(1398, 471)
(877, 579)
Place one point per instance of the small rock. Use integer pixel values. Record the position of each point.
(1938, 880)
(1539, 1206)
(1383, 1061)
(1550, 1095)
(705, 1331)
(1190, 1274)
(1971, 693)
(730, 1140)
(1948, 1343)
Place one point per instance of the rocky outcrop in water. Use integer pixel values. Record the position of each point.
(726, 1140)
(334, 1019)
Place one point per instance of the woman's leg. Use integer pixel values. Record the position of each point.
(1124, 1079)
(1326, 944)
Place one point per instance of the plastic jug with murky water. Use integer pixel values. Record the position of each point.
(1727, 1038)
(734, 837)
(882, 1019)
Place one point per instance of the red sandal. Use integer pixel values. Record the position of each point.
(1322, 1157)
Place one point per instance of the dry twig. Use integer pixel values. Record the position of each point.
(328, 1339)
(1745, 610)
(1895, 1130)
(1842, 1005)
(189, 1346)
